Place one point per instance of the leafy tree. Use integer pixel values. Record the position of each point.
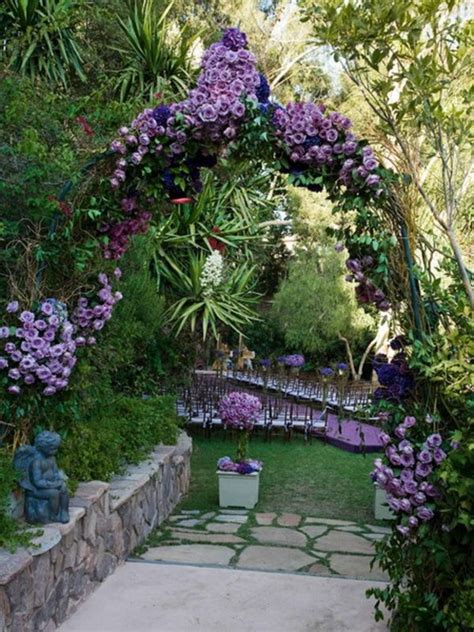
(314, 305)
(410, 61)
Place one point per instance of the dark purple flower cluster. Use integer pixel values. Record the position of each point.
(225, 464)
(409, 493)
(41, 348)
(366, 291)
(119, 232)
(394, 377)
(265, 362)
(313, 138)
(90, 317)
(239, 410)
(294, 360)
(342, 367)
(326, 372)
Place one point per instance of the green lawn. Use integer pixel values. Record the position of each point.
(313, 480)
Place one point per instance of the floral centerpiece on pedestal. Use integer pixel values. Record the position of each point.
(240, 412)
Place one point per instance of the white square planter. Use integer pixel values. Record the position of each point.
(381, 510)
(238, 490)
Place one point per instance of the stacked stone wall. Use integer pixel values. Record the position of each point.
(41, 586)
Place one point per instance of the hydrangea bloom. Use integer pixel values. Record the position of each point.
(295, 360)
(239, 410)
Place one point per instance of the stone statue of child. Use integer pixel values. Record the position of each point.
(46, 495)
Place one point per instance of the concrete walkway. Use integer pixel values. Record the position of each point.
(157, 597)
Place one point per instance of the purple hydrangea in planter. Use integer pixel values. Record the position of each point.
(240, 411)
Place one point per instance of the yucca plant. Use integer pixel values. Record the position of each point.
(155, 60)
(39, 39)
(231, 303)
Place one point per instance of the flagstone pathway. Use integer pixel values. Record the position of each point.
(267, 541)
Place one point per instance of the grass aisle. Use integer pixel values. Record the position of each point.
(314, 480)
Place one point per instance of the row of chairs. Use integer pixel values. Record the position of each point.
(198, 404)
(342, 396)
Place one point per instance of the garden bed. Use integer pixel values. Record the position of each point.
(41, 586)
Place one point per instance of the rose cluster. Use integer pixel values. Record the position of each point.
(119, 232)
(395, 378)
(90, 316)
(226, 464)
(409, 493)
(239, 410)
(212, 112)
(40, 349)
(313, 138)
(366, 291)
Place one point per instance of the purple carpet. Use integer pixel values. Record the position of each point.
(353, 436)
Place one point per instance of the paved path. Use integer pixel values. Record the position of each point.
(269, 542)
(157, 597)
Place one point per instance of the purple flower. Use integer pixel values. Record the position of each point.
(400, 431)
(384, 438)
(326, 372)
(47, 308)
(434, 441)
(207, 113)
(409, 422)
(407, 475)
(234, 39)
(410, 487)
(13, 307)
(27, 317)
(418, 499)
(439, 455)
(424, 456)
(405, 505)
(14, 374)
(3, 363)
(4, 332)
(404, 531)
(14, 390)
(412, 522)
(423, 470)
(424, 513)
(239, 410)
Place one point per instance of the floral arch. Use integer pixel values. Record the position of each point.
(160, 156)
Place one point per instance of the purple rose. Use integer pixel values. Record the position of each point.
(439, 455)
(424, 456)
(418, 499)
(412, 522)
(424, 513)
(4, 332)
(384, 438)
(406, 475)
(27, 317)
(400, 431)
(434, 441)
(410, 487)
(409, 422)
(405, 505)
(3, 363)
(47, 308)
(14, 374)
(13, 307)
(207, 113)
(423, 470)
(14, 390)
(404, 531)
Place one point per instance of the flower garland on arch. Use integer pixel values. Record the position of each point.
(163, 150)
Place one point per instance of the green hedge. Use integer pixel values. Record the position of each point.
(122, 432)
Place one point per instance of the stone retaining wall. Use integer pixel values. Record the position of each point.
(41, 586)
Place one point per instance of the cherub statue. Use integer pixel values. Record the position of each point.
(46, 495)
